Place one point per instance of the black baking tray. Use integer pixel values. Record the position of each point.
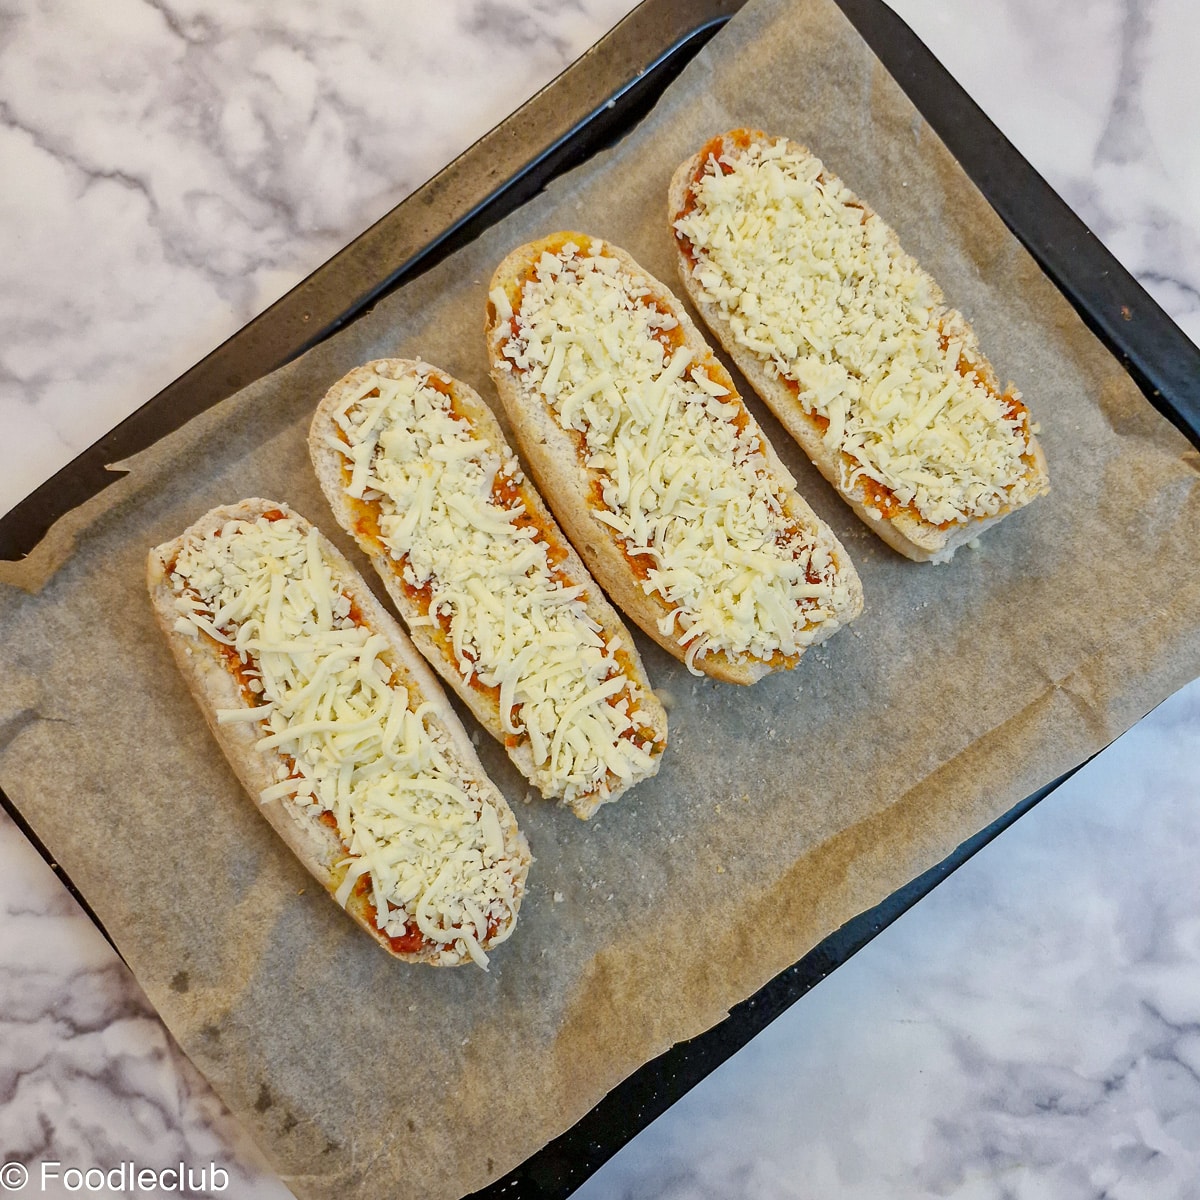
(595, 101)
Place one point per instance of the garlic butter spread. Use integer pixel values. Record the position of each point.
(352, 740)
(818, 287)
(448, 508)
(682, 476)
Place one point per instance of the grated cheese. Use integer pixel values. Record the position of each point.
(515, 625)
(353, 741)
(818, 287)
(684, 482)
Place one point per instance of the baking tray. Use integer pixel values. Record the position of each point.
(591, 104)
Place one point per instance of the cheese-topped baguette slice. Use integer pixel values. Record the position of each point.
(416, 468)
(655, 468)
(849, 343)
(340, 732)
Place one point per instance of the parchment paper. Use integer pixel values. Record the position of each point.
(781, 810)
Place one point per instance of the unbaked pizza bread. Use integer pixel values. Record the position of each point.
(415, 467)
(339, 732)
(654, 467)
(850, 344)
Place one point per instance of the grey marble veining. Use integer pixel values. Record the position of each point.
(1099, 95)
(171, 169)
(1032, 1028)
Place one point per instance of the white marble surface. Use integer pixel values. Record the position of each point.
(1031, 1029)
(170, 169)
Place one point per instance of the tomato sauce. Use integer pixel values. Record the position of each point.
(881, 498)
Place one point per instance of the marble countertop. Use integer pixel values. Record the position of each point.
(1031, 1028)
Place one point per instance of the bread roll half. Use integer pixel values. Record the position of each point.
(650, 460)
(340, 733)
(849, 343)
(415, 467)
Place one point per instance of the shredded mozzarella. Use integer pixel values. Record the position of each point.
(515, 625)
(684, 482)
(358, 745)
(818, 287)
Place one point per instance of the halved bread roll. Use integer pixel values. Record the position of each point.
(654, 467)
(849, 343)
(339, 731)
(415, 467)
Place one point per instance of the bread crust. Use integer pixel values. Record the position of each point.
(328, 463)
(553, 456)
(214, 687)
(905, 530)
